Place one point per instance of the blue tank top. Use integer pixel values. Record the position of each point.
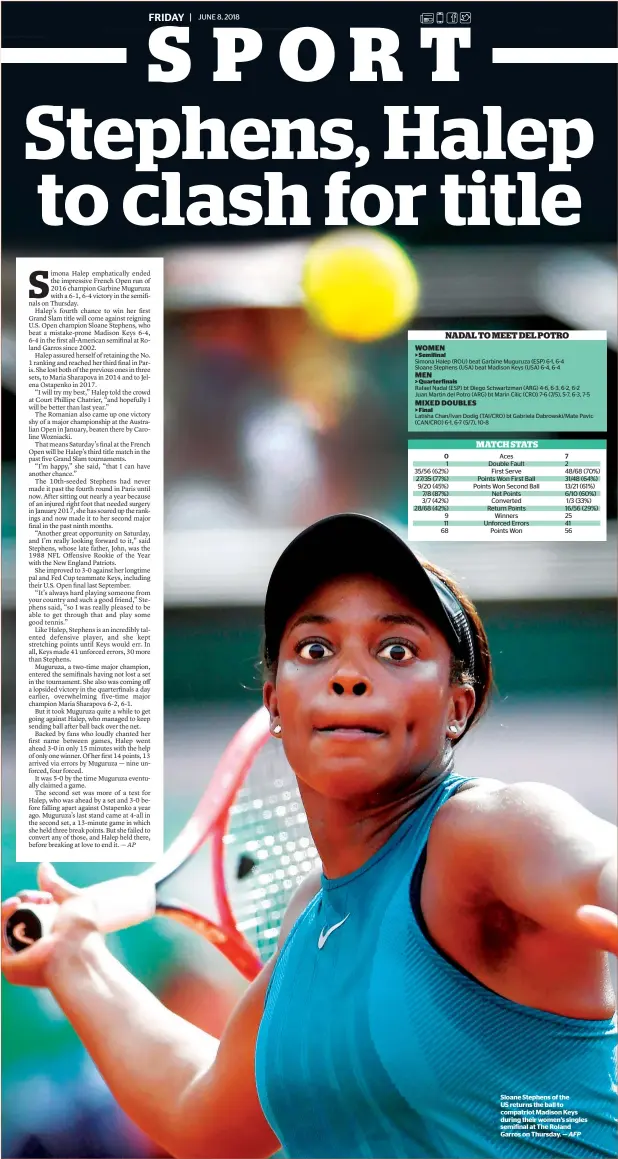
(374, 1044)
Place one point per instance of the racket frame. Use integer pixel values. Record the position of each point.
(210, 819)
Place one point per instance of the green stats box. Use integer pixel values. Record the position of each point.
(503, 381)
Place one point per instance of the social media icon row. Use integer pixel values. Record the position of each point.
(446, 17)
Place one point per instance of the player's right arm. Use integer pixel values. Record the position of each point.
(193, 1095)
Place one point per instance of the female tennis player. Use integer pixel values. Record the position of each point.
(442, 990)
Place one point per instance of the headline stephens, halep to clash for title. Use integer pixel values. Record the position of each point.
(450, 959)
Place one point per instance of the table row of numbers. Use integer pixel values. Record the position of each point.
(537, 494)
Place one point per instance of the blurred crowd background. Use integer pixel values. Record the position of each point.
(269, 424)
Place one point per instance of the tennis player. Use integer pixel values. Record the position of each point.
(443, 989)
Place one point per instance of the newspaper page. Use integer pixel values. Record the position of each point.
(309, 330)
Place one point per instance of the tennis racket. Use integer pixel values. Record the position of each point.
(261, 848)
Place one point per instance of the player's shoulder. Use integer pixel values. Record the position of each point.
(463, 838)
(477, 793)
(303, 894)
(471, 804)
(487, 807)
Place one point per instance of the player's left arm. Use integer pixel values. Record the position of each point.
(544, 855)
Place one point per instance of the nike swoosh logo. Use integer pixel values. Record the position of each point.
(325, 934)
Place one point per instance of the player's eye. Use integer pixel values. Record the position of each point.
(397, 651)
(313, 650)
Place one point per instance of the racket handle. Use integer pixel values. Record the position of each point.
(116, 905)
(28, 924)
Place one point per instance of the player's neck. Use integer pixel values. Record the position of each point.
(348, 833)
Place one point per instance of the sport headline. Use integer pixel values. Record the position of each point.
(410, 134)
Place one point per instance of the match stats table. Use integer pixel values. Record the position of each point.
(483, 489)
(506, 433)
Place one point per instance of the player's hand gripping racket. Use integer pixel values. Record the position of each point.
(261, 848)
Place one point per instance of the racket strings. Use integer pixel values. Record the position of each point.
(268, 848)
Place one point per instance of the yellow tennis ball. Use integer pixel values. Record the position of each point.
(359, 284)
